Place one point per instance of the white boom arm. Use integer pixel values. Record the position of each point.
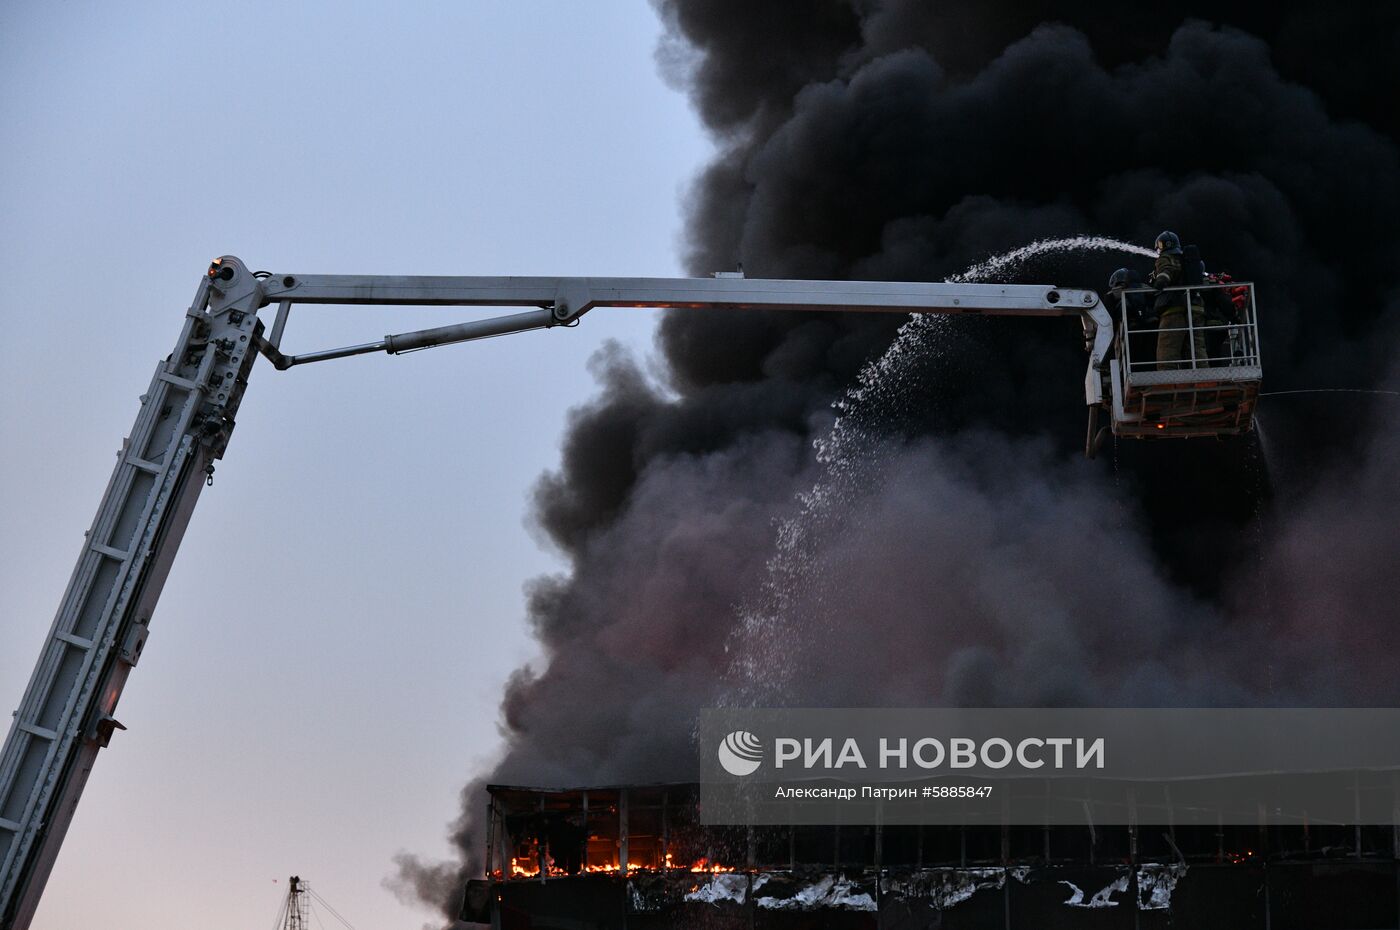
(183, 426)
(563, 300)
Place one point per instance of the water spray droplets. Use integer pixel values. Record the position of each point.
(1001, 267)
(763, 649)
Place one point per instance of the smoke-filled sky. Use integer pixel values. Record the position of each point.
(949, 544)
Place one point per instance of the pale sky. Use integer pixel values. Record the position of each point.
(324, 667)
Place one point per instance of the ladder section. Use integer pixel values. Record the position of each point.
(100, 628)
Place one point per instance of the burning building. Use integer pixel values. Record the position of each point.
(637, 856)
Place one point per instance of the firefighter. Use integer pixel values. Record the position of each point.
(1140, 317)
(1224, 308)
(1217, 321)
(1174, 268)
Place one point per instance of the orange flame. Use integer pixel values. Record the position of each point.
(705, 865)
(528, 867)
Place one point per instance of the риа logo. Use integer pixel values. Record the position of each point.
(741, 753)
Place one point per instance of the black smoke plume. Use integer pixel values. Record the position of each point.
(977, 559)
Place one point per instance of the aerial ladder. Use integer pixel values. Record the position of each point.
(187, 415)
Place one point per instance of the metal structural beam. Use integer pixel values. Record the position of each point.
(562, 300)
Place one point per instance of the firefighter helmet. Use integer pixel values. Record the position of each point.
(1169, 242)
(1124, 277)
